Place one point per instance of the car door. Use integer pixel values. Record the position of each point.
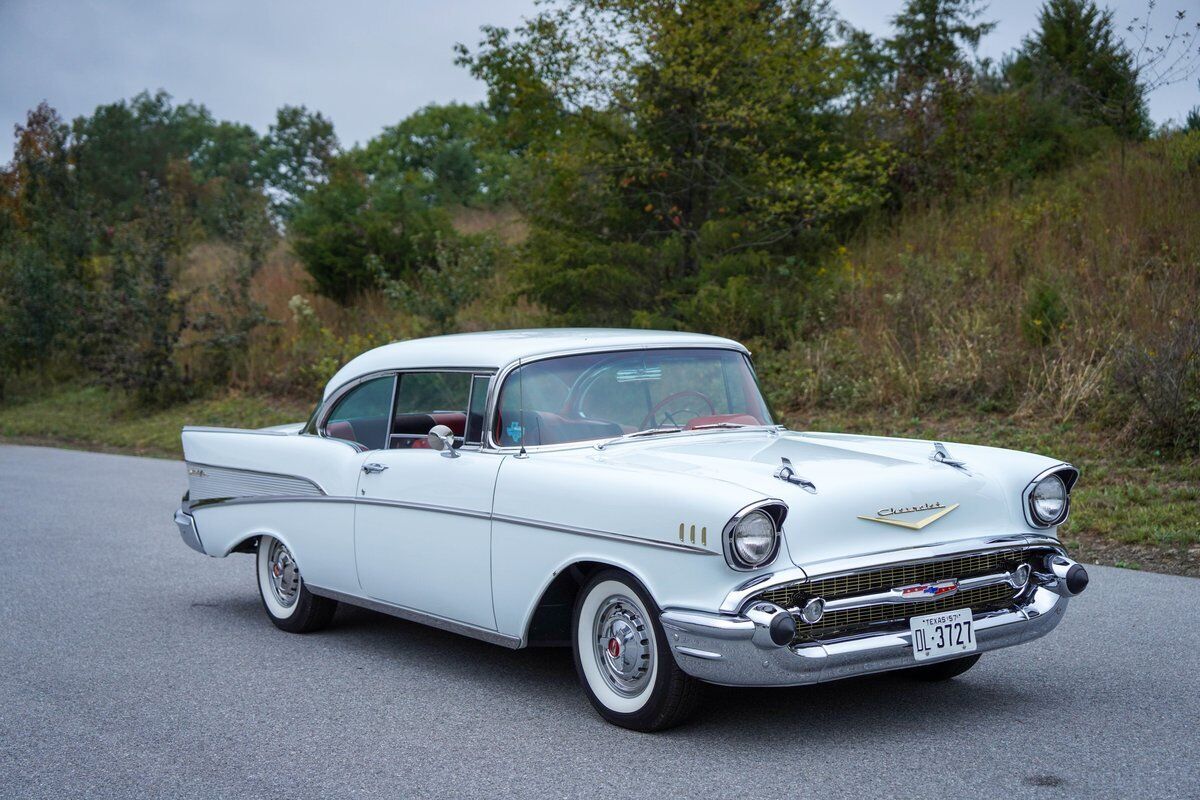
(422, 533)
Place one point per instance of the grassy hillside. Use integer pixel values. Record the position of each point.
(1060, 318)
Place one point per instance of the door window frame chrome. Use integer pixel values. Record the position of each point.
(320, 418)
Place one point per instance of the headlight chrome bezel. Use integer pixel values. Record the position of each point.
(1068, 475)
(776, 512)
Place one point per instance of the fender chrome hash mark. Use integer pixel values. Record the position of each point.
(885, 513)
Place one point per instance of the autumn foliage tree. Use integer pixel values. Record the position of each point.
(675, 145)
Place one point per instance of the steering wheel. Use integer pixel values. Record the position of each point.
(648, 421)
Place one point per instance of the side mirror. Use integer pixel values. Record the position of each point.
(441, 438)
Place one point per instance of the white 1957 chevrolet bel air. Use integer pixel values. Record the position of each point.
(629, 494)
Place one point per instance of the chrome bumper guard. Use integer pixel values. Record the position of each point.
(723, 649)
(187, 530)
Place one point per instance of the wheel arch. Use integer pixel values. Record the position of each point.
(548, 623)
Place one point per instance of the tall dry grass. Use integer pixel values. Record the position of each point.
(1017, 302)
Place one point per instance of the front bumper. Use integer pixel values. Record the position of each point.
(187, 530)
(720, 648)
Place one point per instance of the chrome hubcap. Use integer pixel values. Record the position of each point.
(623, 648)
(283, 573)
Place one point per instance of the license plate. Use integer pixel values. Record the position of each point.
(944, 634)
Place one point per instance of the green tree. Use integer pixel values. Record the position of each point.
(930, 103)
(931, 38)
(297, 154)
(449, 154)
(1076, 58)
(667, 143)
(350, 229)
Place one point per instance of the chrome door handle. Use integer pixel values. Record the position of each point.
(374, 468)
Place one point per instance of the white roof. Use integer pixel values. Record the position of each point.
(498, 349)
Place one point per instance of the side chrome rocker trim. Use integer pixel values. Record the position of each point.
(412, 615)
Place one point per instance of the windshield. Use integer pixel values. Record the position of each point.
(603, 395)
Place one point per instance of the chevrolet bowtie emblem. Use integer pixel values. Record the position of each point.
(885, 515)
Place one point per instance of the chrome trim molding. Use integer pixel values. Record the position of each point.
(370, 501)
(412, 615)
(619, 537)
(208, 481)
(1070, 476)
(531, 523)
(774, 508)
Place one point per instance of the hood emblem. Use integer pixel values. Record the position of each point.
(787, 472)
(885, 515)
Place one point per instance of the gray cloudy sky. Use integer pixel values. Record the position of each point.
(364, 64)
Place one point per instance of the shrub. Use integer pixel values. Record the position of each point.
(1045, 315)
(1160, 380)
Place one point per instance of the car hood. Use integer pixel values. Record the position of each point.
(857, 478)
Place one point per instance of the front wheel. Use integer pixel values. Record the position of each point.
(288, 602)
(622, 657)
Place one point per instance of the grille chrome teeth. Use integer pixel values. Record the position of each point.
(984, 598)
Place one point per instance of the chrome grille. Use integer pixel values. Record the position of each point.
(985, 598)
(881, 580)
(850, 621)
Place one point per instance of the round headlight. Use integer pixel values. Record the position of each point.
(753, 539)
(1048, 500)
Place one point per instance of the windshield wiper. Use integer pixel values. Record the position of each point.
(638, 434)
(712, 425)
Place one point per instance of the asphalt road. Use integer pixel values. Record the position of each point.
(132, 666)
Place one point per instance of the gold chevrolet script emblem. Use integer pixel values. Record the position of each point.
(885, 515)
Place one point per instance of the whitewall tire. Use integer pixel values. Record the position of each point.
(622, 657)
(285, 598)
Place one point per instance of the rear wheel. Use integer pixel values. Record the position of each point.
(942, 670)
(288, 603)
(623, 659)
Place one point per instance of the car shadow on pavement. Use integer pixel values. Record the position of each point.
(879, 706)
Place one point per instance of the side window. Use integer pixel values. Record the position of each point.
(426, 399)
(479, 390)
(362, 415)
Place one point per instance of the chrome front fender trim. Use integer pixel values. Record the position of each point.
(618, 537)
(412, 615)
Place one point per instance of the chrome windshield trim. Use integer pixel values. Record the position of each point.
(835, 567)
(412, 615)
(489, 441)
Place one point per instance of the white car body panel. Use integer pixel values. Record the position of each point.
(472, 541)
(428, 559)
